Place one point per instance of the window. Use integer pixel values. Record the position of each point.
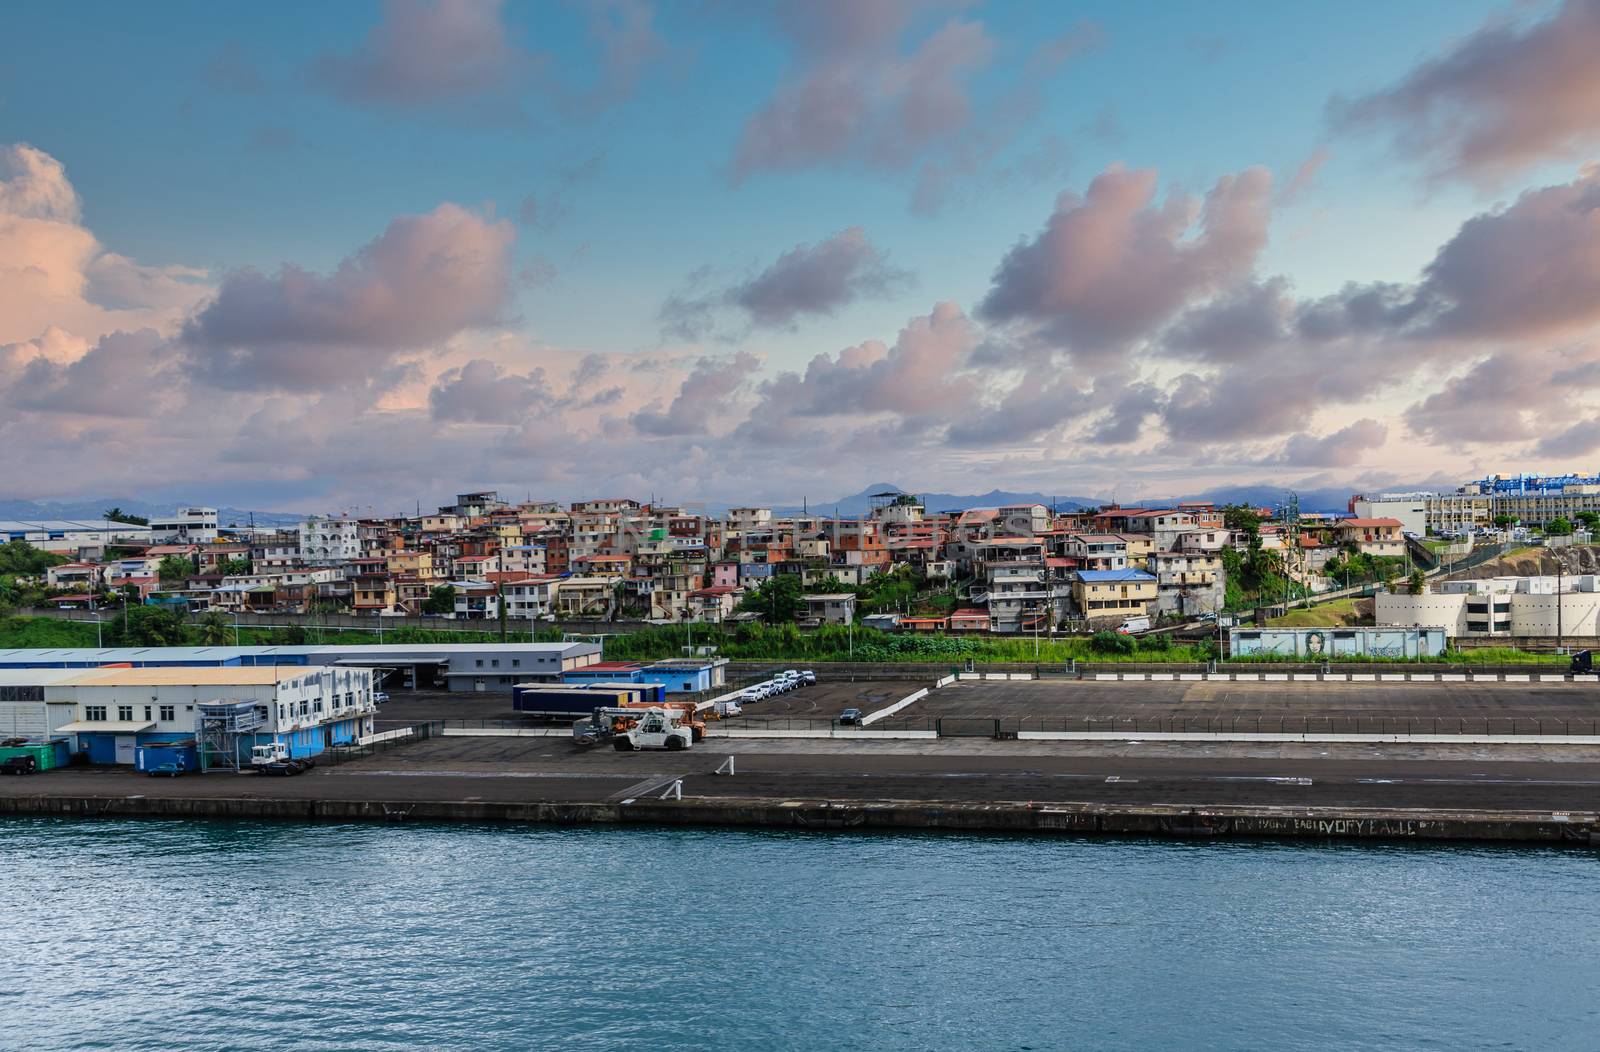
(495, 663)
(479, 662)
(167, 712)
(94, 713)
(125, 713)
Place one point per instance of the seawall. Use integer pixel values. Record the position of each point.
(1000, 817)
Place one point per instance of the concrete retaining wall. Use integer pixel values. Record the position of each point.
(1085, 819)
(896, 707)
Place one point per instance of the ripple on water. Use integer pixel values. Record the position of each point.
(122, 934)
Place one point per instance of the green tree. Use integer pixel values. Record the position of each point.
(777, 599)
(441, 600)
(174, 568)
(149, 626)
(1241, 517)
(1590, 520)
(118, 515)
(293, 636)
(1560, 526)
(1503, 521)
(214, 630)
(234, 567)
(1417, 582)
(21, 559)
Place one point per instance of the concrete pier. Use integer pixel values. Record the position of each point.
(995, 817)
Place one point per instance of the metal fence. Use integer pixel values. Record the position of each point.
(1476, 726)
(386, 741)
(1133, 726)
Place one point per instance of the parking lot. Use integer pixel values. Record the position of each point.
(1054, 700)
(825, 700)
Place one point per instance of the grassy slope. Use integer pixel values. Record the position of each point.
(1335, 614)
(831, 644)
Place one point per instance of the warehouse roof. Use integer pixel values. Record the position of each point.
(178, 676)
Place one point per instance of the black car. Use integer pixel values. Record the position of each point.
(18, 765)
(850, 716)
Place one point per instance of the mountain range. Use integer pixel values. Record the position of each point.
(29, 510)
(1332, 499)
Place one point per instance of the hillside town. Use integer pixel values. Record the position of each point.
(902, 566)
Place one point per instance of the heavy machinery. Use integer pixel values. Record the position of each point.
(656, 727)
(274, 758)
(688, 714)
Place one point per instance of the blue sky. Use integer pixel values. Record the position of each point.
(207, 136)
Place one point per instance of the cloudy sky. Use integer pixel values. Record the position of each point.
(331, 256)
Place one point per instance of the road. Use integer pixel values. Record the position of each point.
(539, 769)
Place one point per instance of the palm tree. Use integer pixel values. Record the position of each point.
(214, 630)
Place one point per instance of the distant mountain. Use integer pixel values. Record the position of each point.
(1332, 499)
(859, 503)
(93, 509)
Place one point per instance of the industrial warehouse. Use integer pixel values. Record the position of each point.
(439, 666)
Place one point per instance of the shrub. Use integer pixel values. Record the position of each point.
(1112, 643)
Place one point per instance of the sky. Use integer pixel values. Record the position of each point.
(358, 256)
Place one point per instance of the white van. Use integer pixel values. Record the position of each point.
(1134, 624)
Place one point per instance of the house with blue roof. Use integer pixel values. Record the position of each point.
(1114, 596)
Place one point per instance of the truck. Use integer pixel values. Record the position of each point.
(274, 758)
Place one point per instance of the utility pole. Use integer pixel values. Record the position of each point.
(500, 605)
(1560, 582)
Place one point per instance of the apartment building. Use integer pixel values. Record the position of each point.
(1104, 596)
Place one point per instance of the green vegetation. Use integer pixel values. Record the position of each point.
(154, 626)
(1334, 614)
(1560, 526)
(776, 599)
(1254, 575)
(22, 570)
(441, 600)
(1357, 567)
(758, 642)
(174, 568)
(118, 515)
(234, 567)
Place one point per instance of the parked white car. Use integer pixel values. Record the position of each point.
(808, 677)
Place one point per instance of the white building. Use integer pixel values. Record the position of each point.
(24, 712)
(1411, 509)
(329, 542)
(186, 526)
(1499, 606)
(304, 707)
(71, 536)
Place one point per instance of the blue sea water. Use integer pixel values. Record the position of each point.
(169, 935)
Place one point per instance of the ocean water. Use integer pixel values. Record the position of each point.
(169, 935)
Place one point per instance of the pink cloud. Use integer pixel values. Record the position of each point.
(854, 92)
(703, 399)
(426, 278)
(1509, 96)
(809, 280)
(425, 53)
(1113, 265)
